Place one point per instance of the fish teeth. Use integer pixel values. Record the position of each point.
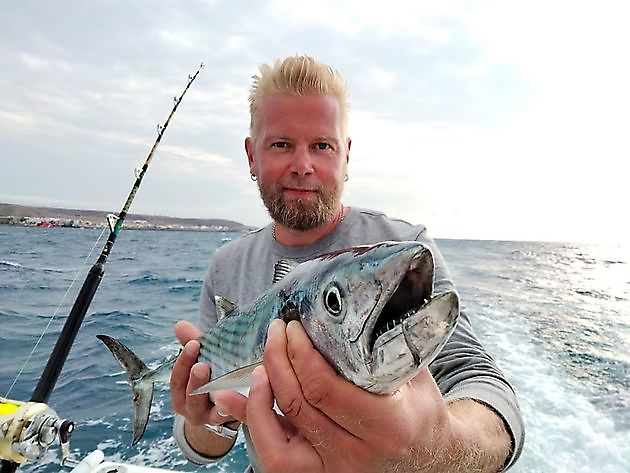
(388, 326)
(393, 323)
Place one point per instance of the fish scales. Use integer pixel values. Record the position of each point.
(366, 309)
(229, 346)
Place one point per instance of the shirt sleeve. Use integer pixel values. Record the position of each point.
(190, 453)
(207, 319)
(464, 370)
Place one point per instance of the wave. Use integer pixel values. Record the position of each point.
(149, 278)
(13, 264)
(10, 264)
(544, 311)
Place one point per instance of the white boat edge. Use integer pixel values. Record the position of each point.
(94, 463)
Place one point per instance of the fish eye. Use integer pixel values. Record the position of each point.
(332, 300)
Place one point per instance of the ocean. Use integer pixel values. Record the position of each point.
(554, 315)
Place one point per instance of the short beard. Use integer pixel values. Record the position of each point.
(301, 214)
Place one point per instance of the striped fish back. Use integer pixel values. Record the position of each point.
(236, 341)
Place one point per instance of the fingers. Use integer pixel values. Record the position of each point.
(198, 407)
(229, 405)
(260, 416)
(186, 376)
(180, 375)
(186, 331)
(316, 427)
(366, 416)
(279, 448)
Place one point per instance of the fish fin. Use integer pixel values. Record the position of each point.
(142, 400)
(133, 366)
(224, 306)
(233, 381)
(282, 268)
(142, 388)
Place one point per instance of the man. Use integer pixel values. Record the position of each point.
(461, 415)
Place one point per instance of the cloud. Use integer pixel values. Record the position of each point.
(41, 64)
(186, 159)
(501, 113)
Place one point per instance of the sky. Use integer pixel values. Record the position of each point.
(480, 119)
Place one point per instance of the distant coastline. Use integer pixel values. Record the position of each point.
(30, 216)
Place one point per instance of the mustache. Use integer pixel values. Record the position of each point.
(300, 184)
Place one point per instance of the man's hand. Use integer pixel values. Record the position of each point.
(330, 425)
(188, 375)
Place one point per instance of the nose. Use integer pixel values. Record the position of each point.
(302, 164)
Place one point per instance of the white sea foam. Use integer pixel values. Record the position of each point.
(10, 263)
(565, 432)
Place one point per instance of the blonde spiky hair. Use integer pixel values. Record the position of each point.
(297, 75)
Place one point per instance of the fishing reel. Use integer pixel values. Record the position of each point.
(27, 429)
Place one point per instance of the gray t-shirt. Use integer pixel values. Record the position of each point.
(243, 269)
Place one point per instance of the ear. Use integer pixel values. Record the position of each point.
(249, 150)
(348, 150)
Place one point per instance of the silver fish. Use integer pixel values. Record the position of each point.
(369, 310)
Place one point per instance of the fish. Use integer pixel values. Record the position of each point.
(369, 310)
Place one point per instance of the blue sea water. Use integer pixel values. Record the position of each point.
(554, 315)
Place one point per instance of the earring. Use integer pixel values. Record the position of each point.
(252, 177)
(345, 179)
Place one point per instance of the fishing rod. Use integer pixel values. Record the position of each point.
(28, 429)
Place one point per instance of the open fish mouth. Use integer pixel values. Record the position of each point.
(411, 294)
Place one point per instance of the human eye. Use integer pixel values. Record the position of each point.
(279, 145)
(323, 146)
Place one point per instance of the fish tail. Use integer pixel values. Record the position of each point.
(141, 385)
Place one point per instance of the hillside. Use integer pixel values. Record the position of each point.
(23, 214)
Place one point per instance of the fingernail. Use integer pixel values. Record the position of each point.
(197, 372)
(272, 328)
(291, 329)
(259, 376)
(220, 410)
(191, 348)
